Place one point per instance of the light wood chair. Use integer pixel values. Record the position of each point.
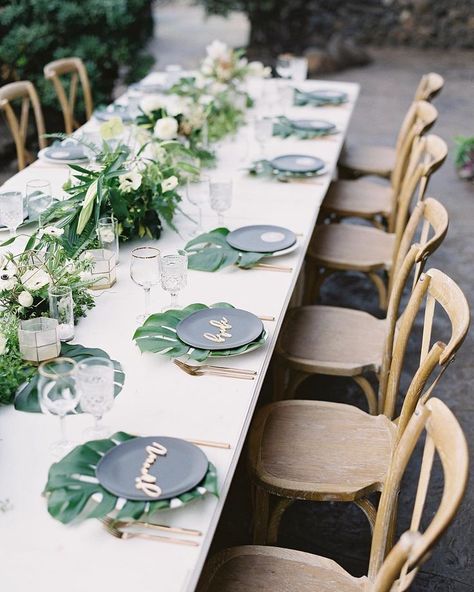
(358, 161)
(376, 202)
(339, 341)
(272, 569)
(353, 247)
(322, 451)
(75, 67)
(25, 91)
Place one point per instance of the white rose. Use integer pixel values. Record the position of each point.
(53, 231)
(259, 70)
(25, 299)
(223, 72)
(200, 80)
(151, 103)
(7, 280)
(169, 184)
(176, 105)
(206, 100)
(217, 88)
(217, 50)
(34, 279)
(3, 344)
(166, 128)
(130, 181)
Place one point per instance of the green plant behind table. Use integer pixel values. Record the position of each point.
(107, 35)
(464, 158)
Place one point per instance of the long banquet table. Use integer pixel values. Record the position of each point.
(38, 552)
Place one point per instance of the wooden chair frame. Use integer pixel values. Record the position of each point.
(389, 570)
(25, 91)
(429, 87)
(76, 68)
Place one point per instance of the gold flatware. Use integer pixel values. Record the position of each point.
(122, 534)
(197, 371)
(180, 363)
(270, 267)
(209, 443)
(266, 318)
(119, 524)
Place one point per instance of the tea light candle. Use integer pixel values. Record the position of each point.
(39, 339)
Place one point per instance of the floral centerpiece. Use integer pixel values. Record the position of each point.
(226, 65)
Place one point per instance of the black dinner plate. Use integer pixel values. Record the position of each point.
(261, 238)
(297, 163)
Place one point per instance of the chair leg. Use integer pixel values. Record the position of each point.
(369, 510)
(280, 374)
(392, 529)
(260, 516)
(381, 289)
(296, 378)
(369, 393)
(315, 277)
(275, 518)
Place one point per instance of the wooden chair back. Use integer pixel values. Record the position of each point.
(26, 92)
(419, 119)
(75, 67)
(444, 438)
(429, 87)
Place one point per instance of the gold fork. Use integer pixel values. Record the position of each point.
(197, 371)
(270, 267)
(122, 534)
(126, 523)
(217, 368)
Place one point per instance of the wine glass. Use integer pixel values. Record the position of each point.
(38, 198)
(221, 197)
(95, 381)
(145, 272)
(299, 69)
(263, 130)
(198, 191)
(11, 210)
(58, 394)
(174, 269)
(283, 66)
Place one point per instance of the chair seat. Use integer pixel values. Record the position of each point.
(358, 198)
(352, 246)
(369, 160)
(317, 450)
(332, 340)
(272, 569)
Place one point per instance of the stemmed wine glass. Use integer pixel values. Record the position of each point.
(263, 130)
(198, 191)
(95, 381)
(38, 198)
(11, 210)
(221, 197)
(58, 394)
(174, 269)
(145, 272)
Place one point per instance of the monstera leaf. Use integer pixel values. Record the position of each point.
(72, 483)
(284, 128)
(26, 398)
(211, 251)
(158, 335)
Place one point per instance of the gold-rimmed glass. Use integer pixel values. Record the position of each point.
(145, 272)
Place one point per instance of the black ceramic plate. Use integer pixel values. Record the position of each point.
(261, 238)
(297, 163)
(313, 125)
(245, 328)
(331, 96)
(183, 467)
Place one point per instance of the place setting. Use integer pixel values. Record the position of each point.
(290, 168)
(65, 152)
(304, 129)
(320, 98)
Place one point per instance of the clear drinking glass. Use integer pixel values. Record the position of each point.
(283, 66)
(174, 270)
(38, 198)
(221, 197)
(95, 382)
(285, 97)
(92, 143)
(263, 130)
(61, 307)
(198, 192)
(11, 210)
(108, 235)
(58, 395)
(299, 69)
(145, 272)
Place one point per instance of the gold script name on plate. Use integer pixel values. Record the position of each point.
(146, 482)
(223, 325)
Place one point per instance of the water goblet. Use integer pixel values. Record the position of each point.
(95, 381)
(38, 198)
(263, 131)
(145, 272)
(58, 395)
(283, 66)
(11, 210)
(174, 269)
(198, 191)
(221, 197)
(299, 69)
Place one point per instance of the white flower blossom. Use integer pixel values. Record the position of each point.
(217, 50)
(258, 70)
(176, 105)
(52, 231)
(217, 87)
(106, 235)
(151, 103)
(35, 279)
(3, 344)
(169, 184)
(206, 100)
(130, 181)
(166, 128)
(7, 280)
(25, 299)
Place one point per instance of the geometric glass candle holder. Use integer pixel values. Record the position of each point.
(103, 272)
(39, 339)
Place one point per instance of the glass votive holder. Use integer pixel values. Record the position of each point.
(39, 339)
(107, 231)
(103, 272)
(61, 308)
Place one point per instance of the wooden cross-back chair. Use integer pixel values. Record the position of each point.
(26, 92)
(75, 67)
(273, 569)
(339, 341)
(373, 201)
(353, 247)
(323, 451)
(358, 161)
